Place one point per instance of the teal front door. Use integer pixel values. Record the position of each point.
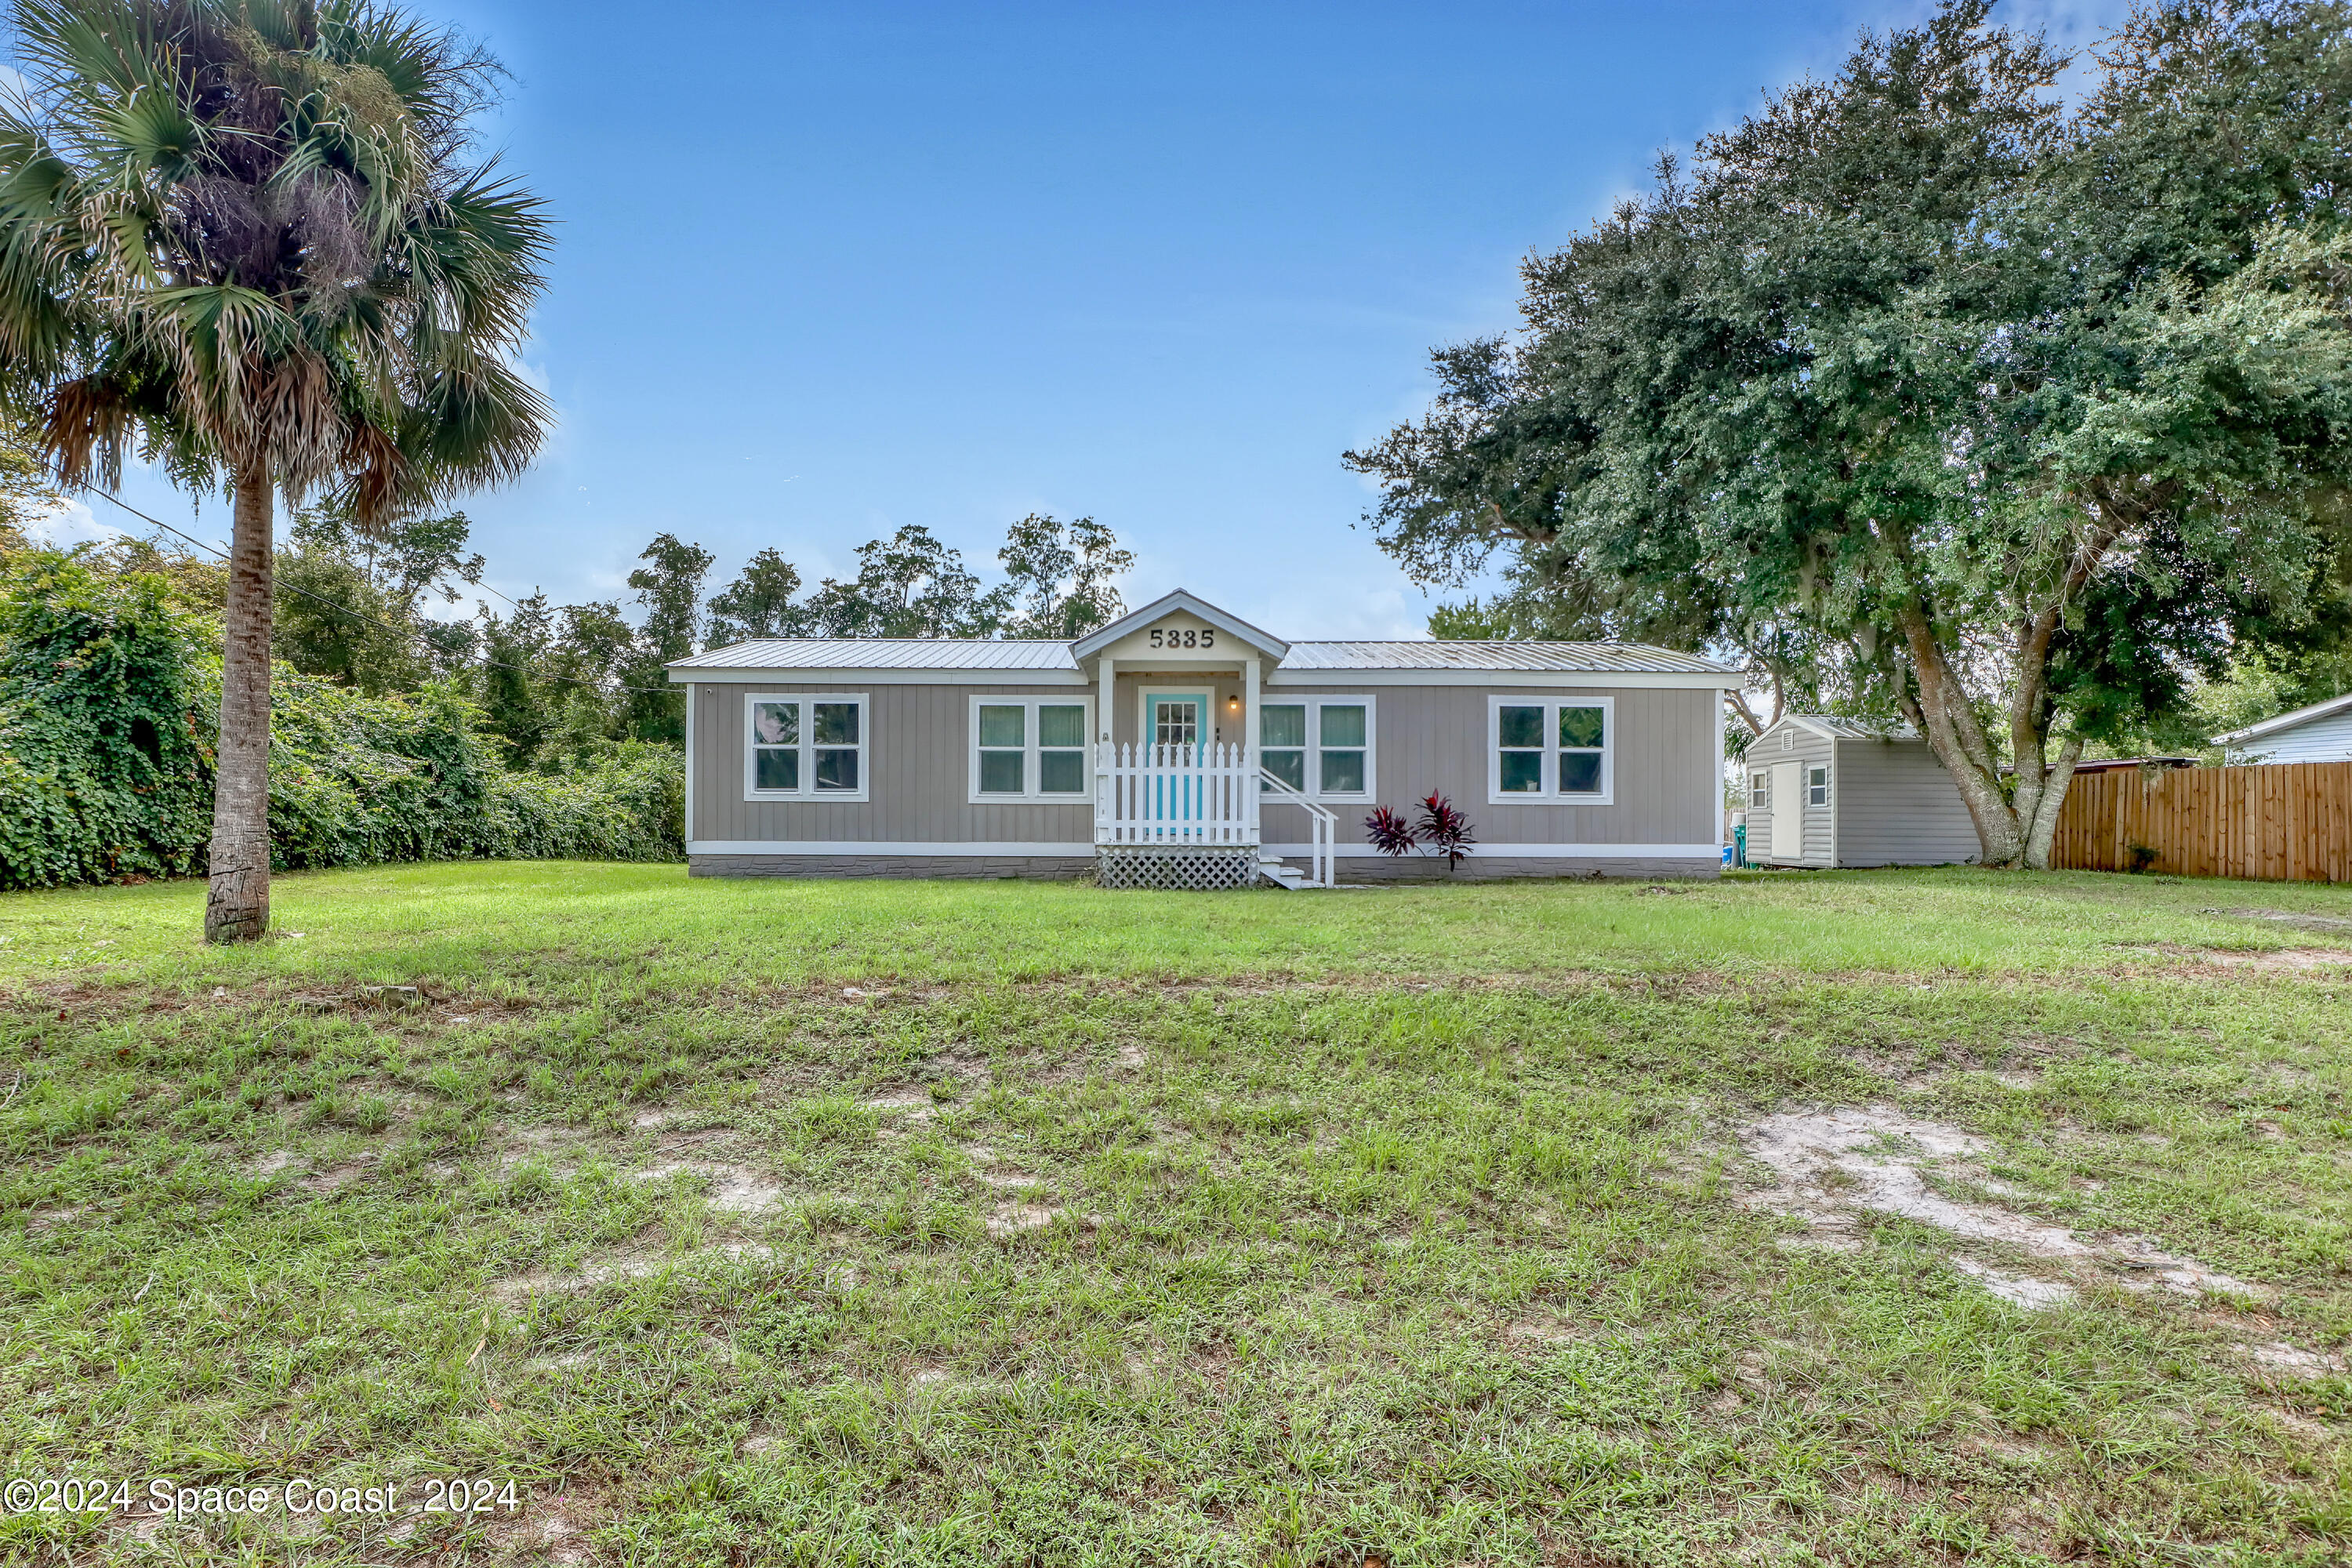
(1176, 719)
(1176, 729)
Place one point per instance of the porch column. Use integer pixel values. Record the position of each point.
(1104, 755)
(1249, 745)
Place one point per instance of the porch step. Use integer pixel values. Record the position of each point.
(1273, 868)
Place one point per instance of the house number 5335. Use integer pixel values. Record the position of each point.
(1166, 638)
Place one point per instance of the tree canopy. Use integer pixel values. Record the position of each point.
(1920, 389)
(251, 239)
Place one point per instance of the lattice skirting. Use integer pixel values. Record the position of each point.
(1207, 868)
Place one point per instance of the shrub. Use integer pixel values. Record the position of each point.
(105, 768)
(109, 705)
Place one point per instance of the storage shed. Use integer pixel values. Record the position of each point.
(1825, 791)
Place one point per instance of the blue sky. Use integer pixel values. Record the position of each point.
(827, 270)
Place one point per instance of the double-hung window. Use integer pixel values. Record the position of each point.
(1550, 749)
(805, 747)
(1030, 748)
(1320, 746)
(1759, 787)
(1817, 784)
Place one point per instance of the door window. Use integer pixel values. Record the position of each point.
(1175, 721)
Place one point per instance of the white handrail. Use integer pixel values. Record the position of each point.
(1321, 825)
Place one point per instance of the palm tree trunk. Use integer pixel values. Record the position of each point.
(237, 906)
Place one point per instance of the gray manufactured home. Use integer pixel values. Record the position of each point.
(1825, 791)
(1181, 746)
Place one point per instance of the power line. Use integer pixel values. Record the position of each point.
(387, 625)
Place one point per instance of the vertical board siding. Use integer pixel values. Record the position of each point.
(917, 761)
(1899, 807)
(1820, 821)
(2279, 822)
(1665, 782)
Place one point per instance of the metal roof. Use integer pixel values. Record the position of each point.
(883, 653)
(977, 653)
(1830, 727)
(2287, 721)
(1632, 659)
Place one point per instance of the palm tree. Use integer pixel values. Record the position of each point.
(252, 237)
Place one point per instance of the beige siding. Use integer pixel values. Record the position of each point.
(1434, 738)
(917, 764)
(1898, 807)
(1820, 821)
(1426, 738)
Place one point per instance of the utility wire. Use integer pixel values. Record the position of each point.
(387, 625)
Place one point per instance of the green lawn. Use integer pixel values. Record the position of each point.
(858, 1223)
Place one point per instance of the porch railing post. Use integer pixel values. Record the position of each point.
(1250, 788)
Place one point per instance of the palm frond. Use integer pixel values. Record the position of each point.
(241, 231)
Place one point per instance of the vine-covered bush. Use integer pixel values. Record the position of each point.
(109, 699)
(357, 780)
(105, 762)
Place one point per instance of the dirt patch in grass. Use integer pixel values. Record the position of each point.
(1828, 1164)
(2301, 918)
(1014, 1218)
(733, 1190)
(2280, 1356)
(2291, 960)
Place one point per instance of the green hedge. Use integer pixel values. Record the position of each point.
(109, 699)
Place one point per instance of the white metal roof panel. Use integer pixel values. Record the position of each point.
(976, 653)
(1629, 659)
(1828, 726)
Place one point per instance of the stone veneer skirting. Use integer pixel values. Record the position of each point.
(1500, 867)
(1075, 867)
(968, 868)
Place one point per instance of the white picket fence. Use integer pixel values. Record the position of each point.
(1184, 795)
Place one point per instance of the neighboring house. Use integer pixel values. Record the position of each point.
(2319, 733)
(1181, 746)
(1825, 791)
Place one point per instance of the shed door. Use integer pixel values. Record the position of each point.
(1788, 810)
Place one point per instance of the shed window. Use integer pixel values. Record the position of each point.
(1556, 749)
(1334, 732)
(1760, 788)
(1817, 784)
(805, 747)
(1028, 749)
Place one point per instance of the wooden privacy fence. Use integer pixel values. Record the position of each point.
(2280, 821)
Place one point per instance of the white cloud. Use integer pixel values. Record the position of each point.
(71, 522)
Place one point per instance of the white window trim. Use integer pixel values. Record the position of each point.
(1759, 787)
(808, 791)
(1807, 780)
(1550, 795)
(1030, 770)
(1315, 703)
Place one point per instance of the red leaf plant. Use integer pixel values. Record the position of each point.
(1443, 830)
(1389, 832)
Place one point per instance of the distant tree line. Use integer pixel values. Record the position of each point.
(559, 683)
